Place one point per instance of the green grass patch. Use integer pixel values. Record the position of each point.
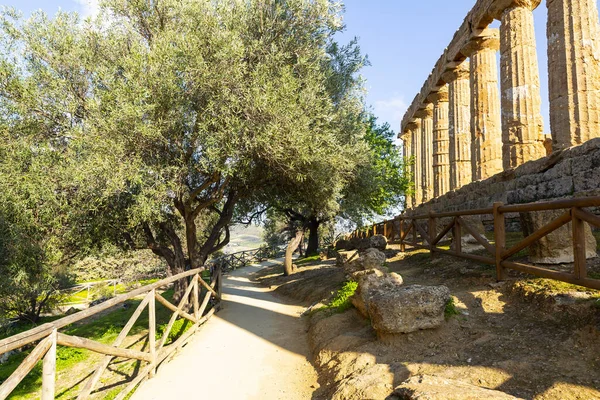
(341, 299)
(450, 308)
(307, 260)
(551, 286)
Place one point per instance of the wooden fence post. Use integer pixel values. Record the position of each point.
(152, 331)
(49, 370)
(578, 228)
(500, 239)
(432, 233)
(402, 245)
(195, 295)
(457, 236)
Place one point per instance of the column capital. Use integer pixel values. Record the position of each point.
(488, 39)
(414, 124)
(426, 111)
(498, 7)
(439, 96)
(460, 72)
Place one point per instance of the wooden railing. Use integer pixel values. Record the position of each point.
(421, 232)
(48, 336)
(243, 258)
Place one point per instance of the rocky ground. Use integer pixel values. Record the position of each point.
(528, 338)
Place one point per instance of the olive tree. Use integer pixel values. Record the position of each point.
(164, 116)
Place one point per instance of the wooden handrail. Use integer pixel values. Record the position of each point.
(35, 334)
(429, 239)
(50, 337)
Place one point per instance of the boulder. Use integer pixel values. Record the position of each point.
(342, 244)
(353, 243)
(378, 242)
(371, 258)
(428, 387)
(341, 259)
(363, 244)
(407, 308)
(369, 282)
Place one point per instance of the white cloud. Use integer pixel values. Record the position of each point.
(391, 111)
(88, 8)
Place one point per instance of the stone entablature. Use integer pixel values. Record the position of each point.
(504, 127)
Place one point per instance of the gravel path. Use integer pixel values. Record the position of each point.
(254, 348)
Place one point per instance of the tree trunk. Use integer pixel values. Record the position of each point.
(288, 266)
(313, 237)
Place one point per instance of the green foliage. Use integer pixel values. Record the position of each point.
(450, 308)
(381, 181)
(142, 130)
(341, 299)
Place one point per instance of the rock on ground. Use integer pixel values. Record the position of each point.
(342, 244)
(369, 259)
(378, 242)
(370, 282)
(426, 387)
(408, 308)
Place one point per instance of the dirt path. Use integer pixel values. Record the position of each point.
(254, 348)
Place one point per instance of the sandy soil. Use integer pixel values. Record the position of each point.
(527, 344)
(254, 348)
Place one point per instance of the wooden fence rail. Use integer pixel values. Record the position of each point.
(421, 232)
(49, 337)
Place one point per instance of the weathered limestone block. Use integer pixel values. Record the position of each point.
(369, 259)
(369, 282)
(556, 247)
(522, 124)
(574, 71)
(408, 308)
(486, 131)
(459, 125)
(429, 387)
(441, 161)
(425, 159)
(342, 244)
(378, 242)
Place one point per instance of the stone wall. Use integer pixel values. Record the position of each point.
(572, 172)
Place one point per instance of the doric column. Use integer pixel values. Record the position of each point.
(573, 71)
(441, 162)
(415, 133)
(408, 153)
(426, 116)
(522, 124)
(486, 131)
(459, 128)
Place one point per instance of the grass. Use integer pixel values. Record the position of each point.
(74, 365)
(450, 308)
(551, 286)
(101, 290)
(341, 299)
(307, 260)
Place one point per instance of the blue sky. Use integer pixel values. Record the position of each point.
(403, 40)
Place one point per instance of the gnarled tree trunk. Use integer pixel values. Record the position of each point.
(313, 237)
(288, 266)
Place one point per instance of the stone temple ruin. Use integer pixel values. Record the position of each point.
(475, 142)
